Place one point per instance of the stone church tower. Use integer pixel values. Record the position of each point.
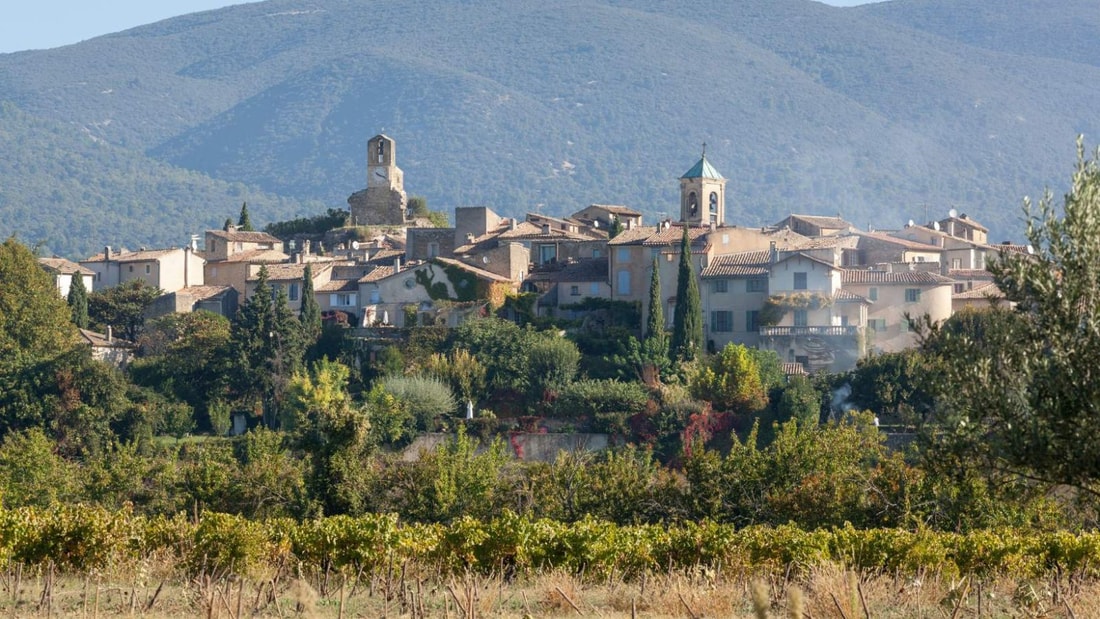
(703, 194)
(383, 202)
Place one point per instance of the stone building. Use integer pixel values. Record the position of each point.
(383, 202)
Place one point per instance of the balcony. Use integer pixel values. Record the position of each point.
(810, 331)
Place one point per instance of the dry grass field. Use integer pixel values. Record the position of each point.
(824, 592)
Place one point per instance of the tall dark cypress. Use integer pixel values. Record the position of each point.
(78, 301)
(311, 311)
(655, 320)
(244, 223)
(687, 320)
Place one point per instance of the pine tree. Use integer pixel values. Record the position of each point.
(311, 311)
(244, 223)
(687, 322)
(78, 301)
(652, 355)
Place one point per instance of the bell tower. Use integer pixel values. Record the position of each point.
(383, 202)
(703, 194)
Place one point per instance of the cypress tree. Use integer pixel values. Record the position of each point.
(311, 311)
(655, 321)
(687, 320)
(244, 223)
(78, 301)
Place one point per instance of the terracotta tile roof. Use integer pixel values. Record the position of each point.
(133, 256)
(673, 234)
(203, 292)
(64, 266)
(482, 273)
(258, 256)
(589, 270)
(240, 236)
(965, 274)
(379, 272)
(341, 285)
(100, 340)
(832, 223)
(742, 264)
(289, 272)
(919, 278)
(893, 240)
(634, 236)
(794, 369)
(824, 242)
(529, 231)
(616, 209)
(385, 256)
(846, 296)
(791, 255)
(986, 291)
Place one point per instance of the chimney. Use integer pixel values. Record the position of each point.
(397, 264)
(231, 228)
(106, 252)
(110, 334)
(305, 246)
(773, 253)
(186, 266)
(470, 236)
(512, 223)
(546, 229)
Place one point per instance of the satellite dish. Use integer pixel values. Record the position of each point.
(952, 213)
(485, 259)
(355, 245)
(910, 224)
(935, 225)
(1030, 249)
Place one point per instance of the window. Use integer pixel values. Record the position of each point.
(872, 294)
(596, 253)
(757, 284)
(213, 246)
(594, 288)
(131, 268)
(956, 263)
(375, 297)
(801, 318)
(960, 288)
(148, 268)
(800, 281)
(575, 291)
(623, 282)
(905, 326)
(343, 299)
(623, 254)
(433, 250)
(877, 324)
(292, 292)
(752, 318)
(721, 321)
(547, 253)
(720, 285)
(912, 295)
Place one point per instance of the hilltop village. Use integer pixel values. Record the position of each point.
(815, 289)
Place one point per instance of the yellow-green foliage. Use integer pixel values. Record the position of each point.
(91, 538)
(730, 381)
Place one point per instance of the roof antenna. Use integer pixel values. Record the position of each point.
(704, 150)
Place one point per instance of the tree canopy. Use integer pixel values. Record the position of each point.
(1019, 389)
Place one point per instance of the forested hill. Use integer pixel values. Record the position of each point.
(882, 113)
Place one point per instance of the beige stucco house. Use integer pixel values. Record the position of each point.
(167, 269)
(63, 272)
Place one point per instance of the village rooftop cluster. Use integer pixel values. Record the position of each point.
(815, 289)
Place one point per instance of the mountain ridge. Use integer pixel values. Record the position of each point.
(882, 113)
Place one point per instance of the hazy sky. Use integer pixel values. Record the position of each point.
(42, 24)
